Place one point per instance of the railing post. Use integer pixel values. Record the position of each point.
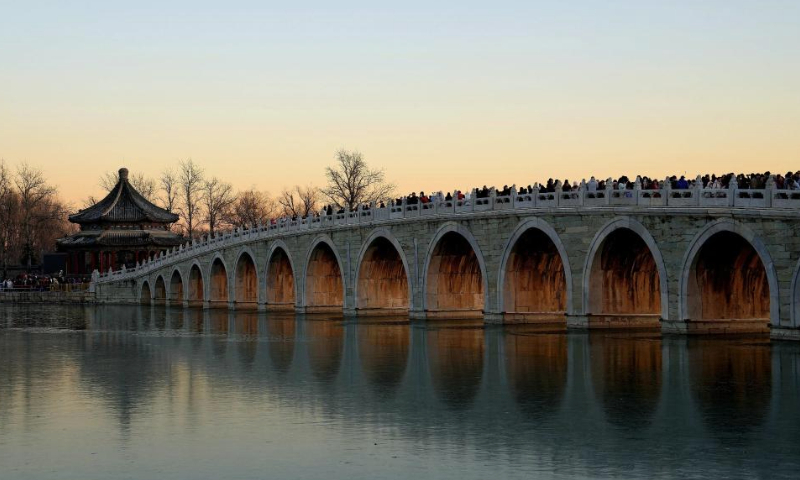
(472, 198)
(698, 190)
(559, 188)
(769, 190)
(733, 186)
(609, 190)
(514, 196)
(582, 191)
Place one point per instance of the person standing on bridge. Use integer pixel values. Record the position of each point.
(591, 186)
(791, 182)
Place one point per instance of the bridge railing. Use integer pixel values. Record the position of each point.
(581, 197)
(785, 198)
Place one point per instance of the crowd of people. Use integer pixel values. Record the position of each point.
(790, 181)
(755, 181)
(40, 283)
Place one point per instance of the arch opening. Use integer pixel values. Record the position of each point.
(145, 296)
(535, 279)
(160, 293)
(728, 282)
(196, 295)
(218, 293)
(382, 278)
(280, 281)
(624, 283)
(454, 280)
(246, 282)
(324, 285)
(176, 288)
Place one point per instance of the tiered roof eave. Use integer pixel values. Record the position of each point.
(123, 204)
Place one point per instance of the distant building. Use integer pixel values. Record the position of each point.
(120, 230)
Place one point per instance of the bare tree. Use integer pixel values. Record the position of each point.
(9, 207)
(217, 199)
(31, 216)
(37, 205)
(146, 186)
(309, 199)
(351, 182)
(88, 202)
(299, 201)
(252, 207)
(169, 189)
(190, 183)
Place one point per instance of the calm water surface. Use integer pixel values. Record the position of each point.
(127, 392)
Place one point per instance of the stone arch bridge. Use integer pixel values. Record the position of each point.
(697, 261)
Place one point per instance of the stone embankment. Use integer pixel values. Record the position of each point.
(84, 296)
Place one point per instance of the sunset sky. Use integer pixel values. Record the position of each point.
(441, 96)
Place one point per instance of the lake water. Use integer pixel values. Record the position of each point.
(129, 392)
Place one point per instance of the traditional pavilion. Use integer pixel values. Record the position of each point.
(120, 230)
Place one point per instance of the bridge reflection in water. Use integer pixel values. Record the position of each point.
(468, 398)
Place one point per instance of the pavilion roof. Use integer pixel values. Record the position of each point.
(123, 204)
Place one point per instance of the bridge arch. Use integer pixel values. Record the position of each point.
(195, 291)
(550, 290)
(280, 282)
(624, 258)
(160, 291)
(218, 291)
(176, 290)
(245, 286)
(727, 259)
(145, 293)
(324, 284)
(383, 280)
(454, 278)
